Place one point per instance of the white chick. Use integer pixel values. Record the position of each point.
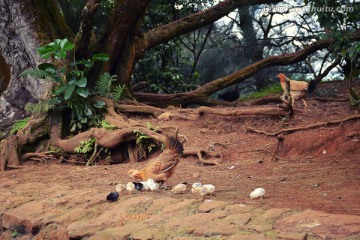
(153, 186)
(180, 188)
(130, 187)
(146, 186)
(196, 187)
(257, 193)
(203, 190)
(210, 189)
(120, 187)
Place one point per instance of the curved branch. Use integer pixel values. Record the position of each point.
(295, 129)
(328, 69)
(187, 24)
(200, 94)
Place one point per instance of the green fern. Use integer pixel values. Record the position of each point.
(103, 85)
(118, 90)
(40, 107)
(36, 73)
(18, 125)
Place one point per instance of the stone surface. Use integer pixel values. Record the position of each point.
(326, 225)
(44, 211)
(207, 206)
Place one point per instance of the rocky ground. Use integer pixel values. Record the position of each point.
(70, 204)
(311, 178)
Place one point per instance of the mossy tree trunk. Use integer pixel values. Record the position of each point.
(24, 26)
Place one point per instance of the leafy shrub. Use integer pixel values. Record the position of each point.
(85, 146)
(72, 90)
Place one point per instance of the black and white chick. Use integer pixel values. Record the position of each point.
(138, 186)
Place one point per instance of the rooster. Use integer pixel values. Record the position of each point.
(162, 167)
(298, 89)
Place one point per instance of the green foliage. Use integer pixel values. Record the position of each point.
(36, 73)
(85, 147)
(271, 89)
(340, 19)
(58, 48)
(19, 124)
(103, 85)
(155, 129)
(354, 97)
(164, 67)
(143, 141)
(72, 90)
(168, 80)
(117, 92)
(41, 107)
(105, 124)
(14, 234)
(335, 15)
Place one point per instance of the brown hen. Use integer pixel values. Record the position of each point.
(298, 89)
(162, 167)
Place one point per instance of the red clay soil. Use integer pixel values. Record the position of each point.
(316, 168)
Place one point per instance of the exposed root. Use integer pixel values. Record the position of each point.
(11, 147)
(93, 155)
(273, 111)
(38, 156)
(322, 99)
(200, 153)
(295, 129)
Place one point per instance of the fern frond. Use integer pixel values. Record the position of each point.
(41, 107)
(36, 73)
(103, 85)
(117, 93)
(18, 125)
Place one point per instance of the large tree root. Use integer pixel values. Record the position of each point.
(11, 148)
(273, 111)
(295, 129)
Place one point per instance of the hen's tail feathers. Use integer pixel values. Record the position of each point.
(175, 145)
(312, 86)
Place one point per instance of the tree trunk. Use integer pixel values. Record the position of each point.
(24, 26)
(118, 39)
